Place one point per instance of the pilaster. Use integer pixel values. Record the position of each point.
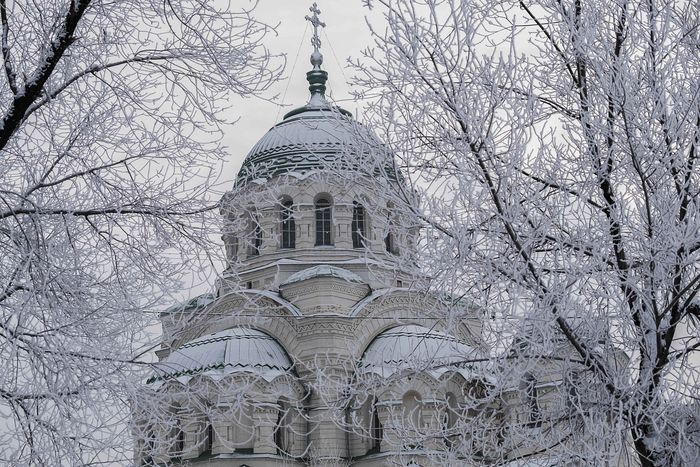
(265, 419)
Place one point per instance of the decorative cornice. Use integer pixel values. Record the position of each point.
(320, 327)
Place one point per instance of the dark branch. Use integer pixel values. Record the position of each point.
(9, 71)
(18, 108)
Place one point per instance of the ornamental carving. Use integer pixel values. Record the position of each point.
(319, 327)
(325, 288)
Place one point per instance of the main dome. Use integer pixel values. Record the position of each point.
(315, 137)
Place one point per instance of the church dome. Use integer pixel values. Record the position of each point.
(413, 347)
(223, 353)
(309, 138)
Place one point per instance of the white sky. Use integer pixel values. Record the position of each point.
(345, 34)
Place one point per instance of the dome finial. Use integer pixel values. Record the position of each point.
(316, 77)
(316, 57)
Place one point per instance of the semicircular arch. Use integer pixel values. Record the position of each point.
(276, 321)
(388, 308)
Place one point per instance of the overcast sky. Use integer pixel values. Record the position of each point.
(345, 35)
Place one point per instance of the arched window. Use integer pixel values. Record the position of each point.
(323, 222)
(573, 393)
(208, 438)
(231, 245)
(281, 433)
(531, 397)
(256, 240)
(149, 448)
(376, 430)
(241, 430)
(358, 225)
(288, 225)
(389, 242)
(177, 434)
(179, 446)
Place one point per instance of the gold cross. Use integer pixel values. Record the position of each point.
(315, 41)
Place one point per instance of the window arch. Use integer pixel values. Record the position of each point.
(324, 214)
(288, 225)
(358, 225)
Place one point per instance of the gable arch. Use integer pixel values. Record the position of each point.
(246, 297)
(390, 307)
(386, 309)
(273, 315)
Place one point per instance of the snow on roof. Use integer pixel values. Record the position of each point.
(373, 296)
(324, 270)
(225, 352)
(293, 310)
(413, 347)
(199, 301)
(310, 139)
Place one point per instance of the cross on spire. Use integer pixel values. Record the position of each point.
(316, 57)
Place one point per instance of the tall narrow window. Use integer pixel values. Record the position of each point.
(323, 222)
(532, 399)
(179, 447)
(281, 428)
(257, 236)
(208, 438)
(358, 225)
(149, 449)
(573, 396)
(288, 226)
(377, 432)
(389, 242)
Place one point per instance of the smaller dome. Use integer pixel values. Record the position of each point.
(413, 347)
(324, 270)
(222, 353)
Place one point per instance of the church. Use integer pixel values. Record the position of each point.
(319, 345)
